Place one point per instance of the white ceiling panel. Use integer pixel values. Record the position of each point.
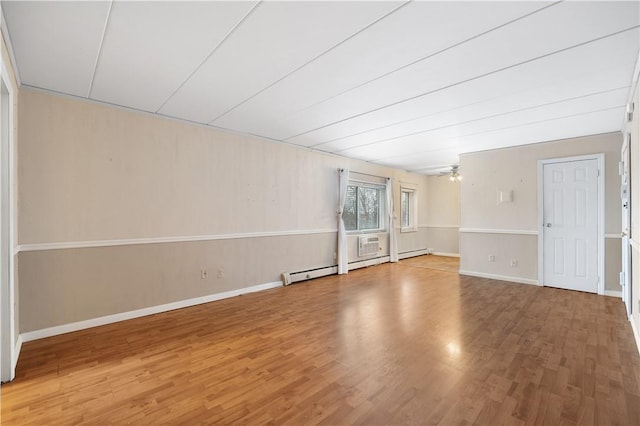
(438, 136)
(597, 122)
(274, 40)
(147, 54)
(56, 44)
(405, 84)
(425, 28)
(552, 29)
(607, 58)
(428, 162)
(561, 128)
(595, 81)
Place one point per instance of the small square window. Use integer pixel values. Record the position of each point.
(408, 210)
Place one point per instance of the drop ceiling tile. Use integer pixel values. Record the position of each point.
(437, 138)
(596, 80)
(151, 47)
(412, 32)
(609, 57)
(274, 40)
(582, 125)
(56, 44)
(594, 123)
(555, 28)
(428, 161)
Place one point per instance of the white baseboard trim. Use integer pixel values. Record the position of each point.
(500, 277)
(439, 253)
(613, 293)
(412, 253)
(635, 333)
(109, 319)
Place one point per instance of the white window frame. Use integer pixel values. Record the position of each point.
(382, 210)
(413, 209)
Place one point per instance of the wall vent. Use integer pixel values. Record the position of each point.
(368, 245)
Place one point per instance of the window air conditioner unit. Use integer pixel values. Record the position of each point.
(368, 245)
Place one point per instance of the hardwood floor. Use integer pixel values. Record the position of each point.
(441, 263)
(391, 344)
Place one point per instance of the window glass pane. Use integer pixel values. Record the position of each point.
(349, 213)
(368, 208)
(404, 202)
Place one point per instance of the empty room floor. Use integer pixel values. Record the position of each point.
(394, 343)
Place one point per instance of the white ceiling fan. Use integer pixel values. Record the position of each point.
(454, 173)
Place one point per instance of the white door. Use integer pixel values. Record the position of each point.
(570, 225)
(625, 275)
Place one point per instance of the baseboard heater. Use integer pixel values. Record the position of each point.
(294, 277)
(414, 253)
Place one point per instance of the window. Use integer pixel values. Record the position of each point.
(364, 207)
(408, 210)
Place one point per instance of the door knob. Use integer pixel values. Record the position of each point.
(548, 225)
(623, 234)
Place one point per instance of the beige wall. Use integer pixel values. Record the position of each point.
(93, 173)
(443, 214)
(65, 286)
(515, 169)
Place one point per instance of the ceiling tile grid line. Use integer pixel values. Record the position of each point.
(430, 55)
(226, 36)
(309, 62)
(465, 81)
(506, 113)
(99, 55)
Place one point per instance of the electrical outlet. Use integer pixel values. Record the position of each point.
(492, 258)
(220, 272)
(514, 263)
(203, 274)
(335, 256)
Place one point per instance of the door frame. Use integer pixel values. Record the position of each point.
(625, 234)
(10, 343)
(601, 199)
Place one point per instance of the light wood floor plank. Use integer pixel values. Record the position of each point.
(406, 343)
